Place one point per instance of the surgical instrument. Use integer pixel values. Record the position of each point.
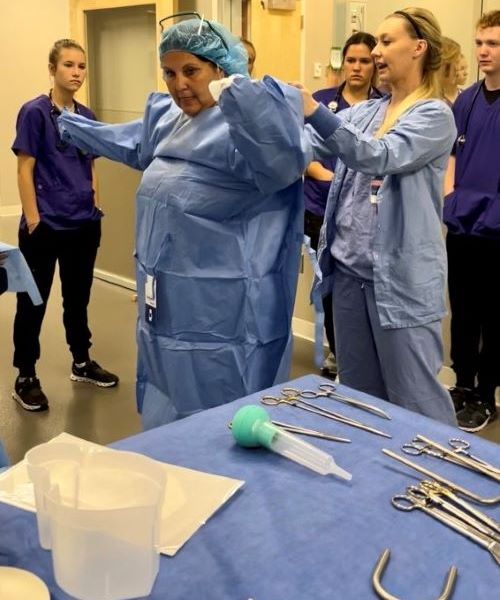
(416, 448)
(252, 427)
(292, 397)
(462, 447)
(380, 568)
(328, 390)
(433, 498)
(436, 491)
(465, 461)
(413, 499)
(453, 486)
(311, 432)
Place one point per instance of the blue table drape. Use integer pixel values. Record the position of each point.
(291, 534)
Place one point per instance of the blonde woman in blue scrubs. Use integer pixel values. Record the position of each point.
(382, 252)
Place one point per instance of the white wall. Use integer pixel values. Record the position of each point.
(28, 28)
(456, 23)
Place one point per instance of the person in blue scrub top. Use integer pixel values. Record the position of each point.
(219, 223)
(472, 215)
(60, 223)
(359, 75)
(382, 251)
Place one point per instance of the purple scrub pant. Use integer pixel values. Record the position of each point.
(75, 250)
(399, 365)
(473, 273)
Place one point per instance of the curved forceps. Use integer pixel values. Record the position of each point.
(292, 397)
(328, 390)
(380, 568)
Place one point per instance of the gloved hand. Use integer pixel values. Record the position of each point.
(217, 86)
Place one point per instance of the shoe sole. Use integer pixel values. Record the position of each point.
(489, 420)
(93, 381)
(29, 407)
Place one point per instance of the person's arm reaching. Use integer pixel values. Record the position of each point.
(265, 122)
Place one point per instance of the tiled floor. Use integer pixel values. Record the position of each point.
(100, 415)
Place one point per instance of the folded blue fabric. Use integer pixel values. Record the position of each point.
(19, 277)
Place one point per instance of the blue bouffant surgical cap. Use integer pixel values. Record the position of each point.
(213, 42)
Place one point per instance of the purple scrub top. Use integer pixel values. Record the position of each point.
(62, 174)
(473, 208)
(316, 192)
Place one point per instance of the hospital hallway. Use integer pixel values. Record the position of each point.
(96, 414)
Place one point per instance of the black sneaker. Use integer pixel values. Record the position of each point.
(29, 394)
(91, 372)
(461, 396)
(329, 366)
(475, 416)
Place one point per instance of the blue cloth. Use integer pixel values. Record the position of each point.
(218, 228)
(473, 207)
(62, 175)
(399, 365)
(408, 248)
(209, 40)
(356, 218)
(291, 533)
(315, 191)
(19, 277)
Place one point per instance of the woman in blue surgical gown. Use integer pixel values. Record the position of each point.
(218, 224)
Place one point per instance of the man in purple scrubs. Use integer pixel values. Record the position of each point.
(472, 215)
(60, 223)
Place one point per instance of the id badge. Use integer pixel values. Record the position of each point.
(150, 298)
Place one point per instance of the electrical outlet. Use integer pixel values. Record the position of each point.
(318, 70)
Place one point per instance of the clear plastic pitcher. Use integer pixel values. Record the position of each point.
(104, 519)
(52, 465)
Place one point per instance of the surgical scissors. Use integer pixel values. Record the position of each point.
(415, 498)
(328, 390)
(292, 397)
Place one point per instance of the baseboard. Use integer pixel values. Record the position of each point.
(115, 279)
(11, 210)
(303, 329)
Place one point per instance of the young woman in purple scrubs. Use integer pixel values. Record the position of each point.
(60, 223)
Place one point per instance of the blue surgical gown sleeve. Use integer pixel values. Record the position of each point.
(421, 135)
(129, 143)
(266, 123)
